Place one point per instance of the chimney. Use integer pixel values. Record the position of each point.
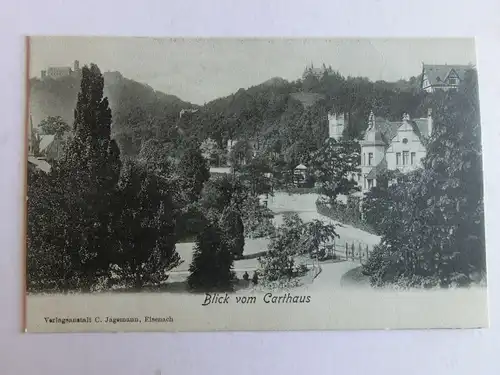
(429, 121)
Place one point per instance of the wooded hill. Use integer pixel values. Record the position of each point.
(289, 118)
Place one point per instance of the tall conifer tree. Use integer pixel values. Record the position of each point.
(89, 173)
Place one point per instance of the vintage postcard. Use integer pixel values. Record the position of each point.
(253, 184)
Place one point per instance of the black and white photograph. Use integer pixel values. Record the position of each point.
(206, 184)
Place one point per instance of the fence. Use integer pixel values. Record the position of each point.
(349, 251)
(345, 214)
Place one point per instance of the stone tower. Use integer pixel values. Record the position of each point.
(336, 125)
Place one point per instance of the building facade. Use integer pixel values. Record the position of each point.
(56, 72)
(442, 77)
(386, 145)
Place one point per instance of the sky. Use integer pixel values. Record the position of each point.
(200, 70)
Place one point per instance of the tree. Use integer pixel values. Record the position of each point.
(193, 171)
(376, 202)
(50, 258)
(144, 230)
(88, 175)
(279, 262)
(210, 151)
(241, 153)
(433, 229)
(256, 176)
(211, 268)
(54, 125)
(231, 225)
(156, 155)
(315, 234)
(221, 192)
(257, 218)
(455, 158)
(333, 165)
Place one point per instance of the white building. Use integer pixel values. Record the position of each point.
(387, 145)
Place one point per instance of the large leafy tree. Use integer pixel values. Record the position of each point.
(433, 227)
(193, 171)
(224, 191)
(256, 176)
(54, 125)
(50, 258)
(144, 230)
(334, 164)
(455, 159)
(279, 263)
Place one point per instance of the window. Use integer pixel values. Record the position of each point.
(364, 182)
(405, 140)
(413, 157)
(370, 158)
(364, 158)
(370, 183)
(405, 157)
(398, 158)
(452, 81)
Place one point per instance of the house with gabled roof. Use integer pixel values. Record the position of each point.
(387, 145)
(392, 145)
(442, 77)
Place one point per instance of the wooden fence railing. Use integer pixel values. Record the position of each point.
(356, 252)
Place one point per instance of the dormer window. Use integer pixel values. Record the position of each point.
(405, 140)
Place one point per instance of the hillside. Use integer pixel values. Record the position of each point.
(287, 117)
(291, 117)
(138, 110)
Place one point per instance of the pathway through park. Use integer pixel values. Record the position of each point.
(305, 206)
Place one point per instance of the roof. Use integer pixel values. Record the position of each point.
(387, 130)
(301, 166)
(45, 141)
(39, 164)
(437, 74)
(422, 124)
(377, 170)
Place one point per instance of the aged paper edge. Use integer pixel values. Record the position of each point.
(333, 310)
